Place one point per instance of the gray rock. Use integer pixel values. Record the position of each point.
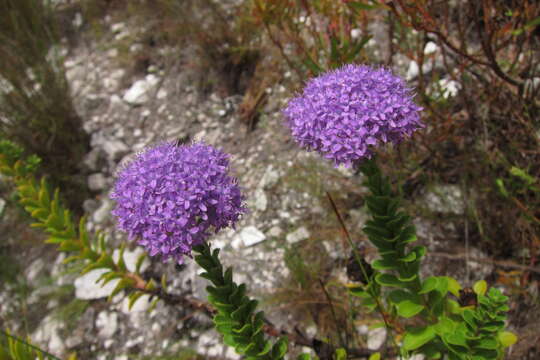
(107, 323)
(48, 333)
(97, 182)
(140, 306)
(298, 235)
(74, 340)
(162, 94)
(447, 88)
(5, 86)
(431, 48)
(86, 287)
(376, 338)
(248, 236)
(92, 159)
(115, 149)
(445, 199)
(90, 205)
(275, 231)
(260, 202)
(103, 212)
(112, 81)
(137, 94)
(210, 345)
(34, 270)
(78, 20)
(131, 257)
(2, 206)
(270, 177)
(531, 86)
(414, 70)
(118, 27)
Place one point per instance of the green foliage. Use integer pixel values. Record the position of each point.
(236, 319)
(391, 231)
(57, 222)
(15, 348)
(316, 48)
(11, 153)
(472, 332)
(35, 102)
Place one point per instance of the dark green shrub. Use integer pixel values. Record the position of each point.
(36, 109)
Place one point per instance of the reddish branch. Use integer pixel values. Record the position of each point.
(428, 25)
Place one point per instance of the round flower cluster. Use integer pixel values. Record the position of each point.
(342, 112)
(170, 197)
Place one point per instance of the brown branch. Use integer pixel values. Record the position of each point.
(420, 26)
(334, 316)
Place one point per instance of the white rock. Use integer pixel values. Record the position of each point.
(431, 48)
(73, 340)
(103, 212)
(112, 53)
(270, 177)
(133, 342)
(112, 82)
(78, 21)
(69, 63)
(115, 149)
(34, 270)
(275, 231)
(345, 171)
(135, 48)
(131, 257)
(445, 199)
(5, 86)
(531, 86)
(2, 206)
(87, 289)
(146, 113)
(118, 27)
(138, 92)
(231, 354)
(260, 202)
(356, 33)
(298, 235)
(47, 333)
(141, 305)
(250, 235)
(448, 87)
(97, 182)
(162, 94)
(414, 70)
(107, 324)
(376, 338)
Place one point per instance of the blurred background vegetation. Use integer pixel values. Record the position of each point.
(482, 134)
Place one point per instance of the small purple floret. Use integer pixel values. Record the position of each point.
(171, 197)
(343, 113)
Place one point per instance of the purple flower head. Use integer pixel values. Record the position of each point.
(343, 113)
(170, 197)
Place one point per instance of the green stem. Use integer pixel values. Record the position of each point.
(379, 305)
(33, 347)
(384, 206)
(236, 319)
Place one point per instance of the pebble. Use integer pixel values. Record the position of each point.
(298, 235)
